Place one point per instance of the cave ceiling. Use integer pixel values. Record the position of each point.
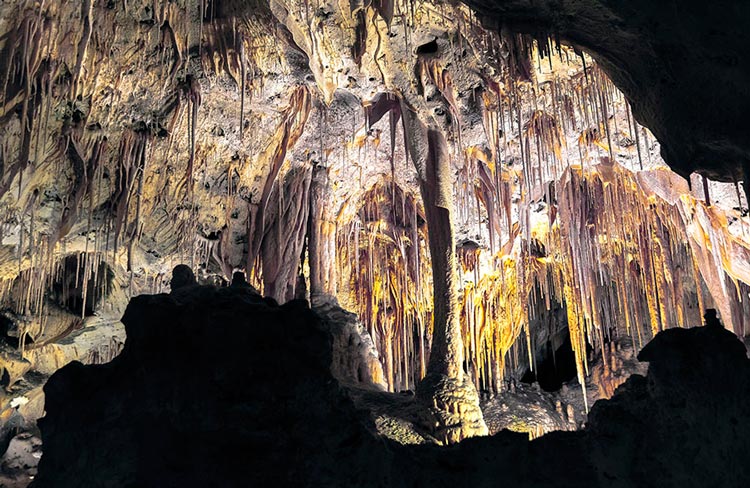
(683, 67)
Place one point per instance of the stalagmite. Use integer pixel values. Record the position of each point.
(445, 383)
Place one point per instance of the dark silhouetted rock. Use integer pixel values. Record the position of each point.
(219, 390)
(686, 422)
(239, 281)
(222, 388)
(182, 276)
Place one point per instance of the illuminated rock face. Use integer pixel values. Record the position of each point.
(355, 360)
(470, 195)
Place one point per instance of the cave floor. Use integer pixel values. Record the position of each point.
(524, 408)
(394, 416)
(19, 465)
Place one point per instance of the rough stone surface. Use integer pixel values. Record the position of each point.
(18, 465)
(529, 410)
(450, 408)
(12, 365)
(355, 359)
(22, 400)
(97, 343)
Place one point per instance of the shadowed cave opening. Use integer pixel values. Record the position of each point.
(553, 365)
(7, 327)
(81, 285)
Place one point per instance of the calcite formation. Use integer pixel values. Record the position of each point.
(684, 69)
(355, 360)
(474, 188)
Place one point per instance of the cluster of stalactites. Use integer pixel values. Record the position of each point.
(66, 149)
(492, 317)
(70, 287)
(621, 260)
(383, 251)
(616, 257)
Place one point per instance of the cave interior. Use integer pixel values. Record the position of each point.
(384, 243)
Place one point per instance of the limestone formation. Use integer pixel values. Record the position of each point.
(490, 187)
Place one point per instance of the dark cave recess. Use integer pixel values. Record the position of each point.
(554, 366)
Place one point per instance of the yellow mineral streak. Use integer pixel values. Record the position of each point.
(630, 262)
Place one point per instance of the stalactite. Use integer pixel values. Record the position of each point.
(705, 190)
(293, 122)
(84, 172)
(129, 177)
(192, 93)
(385, 261)
(24, 71)
(285, 228)
(318, 234)
(243, 77)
